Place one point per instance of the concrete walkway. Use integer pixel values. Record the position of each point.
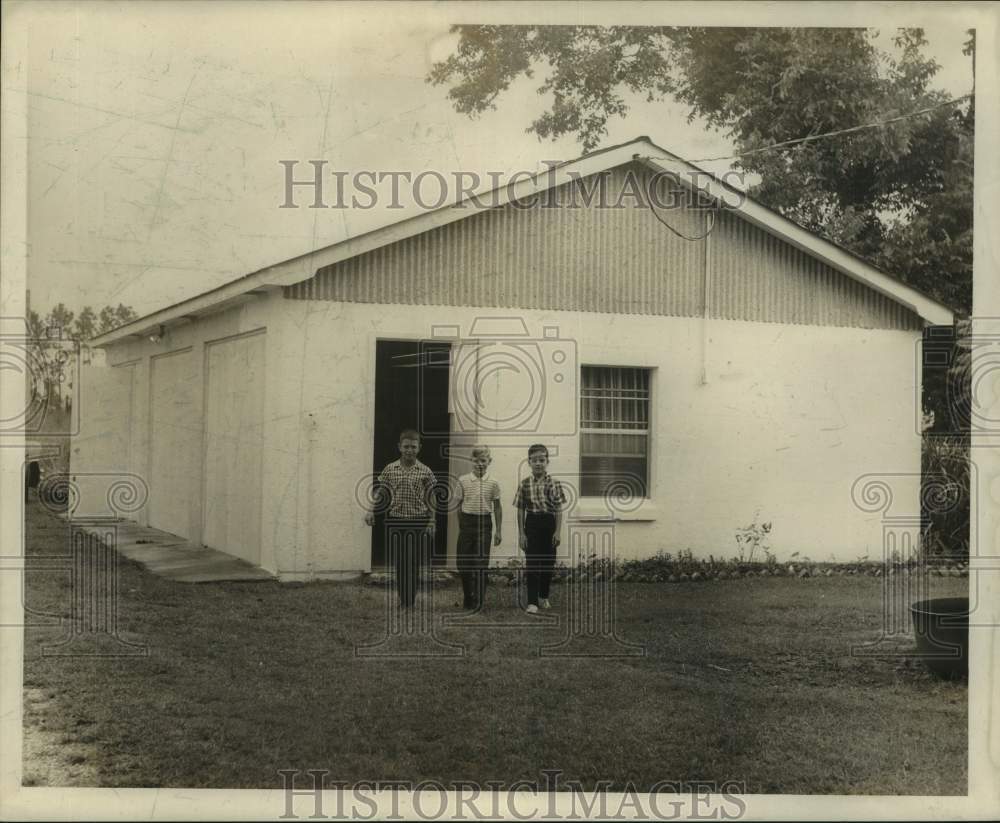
(175, 558)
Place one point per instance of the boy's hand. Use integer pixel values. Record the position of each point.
(555, 540)
(431, 528)
(522, 542)
(496, 539)
(370, 519)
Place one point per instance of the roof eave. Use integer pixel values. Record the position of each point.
(929, 310)
(297, 269)
(642, 149)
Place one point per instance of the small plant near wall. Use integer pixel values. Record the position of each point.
(752, 539)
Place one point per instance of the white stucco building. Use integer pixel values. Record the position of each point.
(746, 365)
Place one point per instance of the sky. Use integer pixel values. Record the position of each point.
(156, 131)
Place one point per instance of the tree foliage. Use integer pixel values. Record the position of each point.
(899, 194)
(80, 327)
(52, 360)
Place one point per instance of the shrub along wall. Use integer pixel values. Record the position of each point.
(664, 568)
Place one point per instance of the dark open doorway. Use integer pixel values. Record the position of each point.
(411, 392)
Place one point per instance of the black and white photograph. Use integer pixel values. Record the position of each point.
(484, 411)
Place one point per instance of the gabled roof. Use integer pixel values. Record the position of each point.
(642, 150)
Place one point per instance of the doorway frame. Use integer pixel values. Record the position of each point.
(373, 341)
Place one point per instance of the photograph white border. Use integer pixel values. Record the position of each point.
(983, 801)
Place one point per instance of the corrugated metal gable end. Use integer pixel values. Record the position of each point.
(612, 260)
(756, 276)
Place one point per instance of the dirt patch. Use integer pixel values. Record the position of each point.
(57, 750)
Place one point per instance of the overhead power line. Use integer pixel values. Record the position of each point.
(798, 141)
(837, 133)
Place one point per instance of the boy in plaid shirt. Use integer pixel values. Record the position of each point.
(539, 501)
(409, 524)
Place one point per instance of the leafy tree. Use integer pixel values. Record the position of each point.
(85, 325)
(111, 318)
(63, 322)
(60, 317)
(899, 195)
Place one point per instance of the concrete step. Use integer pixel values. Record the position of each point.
(173, 558)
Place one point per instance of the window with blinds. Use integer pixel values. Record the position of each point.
(614, 430)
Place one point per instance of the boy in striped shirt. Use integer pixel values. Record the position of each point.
(478, 495)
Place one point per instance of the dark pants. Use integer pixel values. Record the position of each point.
(540, 556)
(475, 537)
(409, 551)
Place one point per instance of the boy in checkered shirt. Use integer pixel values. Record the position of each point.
(409, 524)
(539, 501)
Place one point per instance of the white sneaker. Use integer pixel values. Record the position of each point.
(544, 603)
(532, 609)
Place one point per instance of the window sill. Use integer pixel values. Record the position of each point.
(596, 509)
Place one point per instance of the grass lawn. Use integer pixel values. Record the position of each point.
(743, 680)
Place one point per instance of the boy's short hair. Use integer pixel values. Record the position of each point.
(535, 449)
(409, 434)
(479, 449)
